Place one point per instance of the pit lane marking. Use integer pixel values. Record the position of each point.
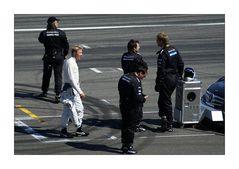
(106, 70)
(95, 70)
(85, 46)
(29, 113)
(180, 135)
(105, 101)
(114, 138)
(86, 115)
(125, 27)
(30, 130)
(120, 69)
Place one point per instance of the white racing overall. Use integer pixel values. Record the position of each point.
(72, 105)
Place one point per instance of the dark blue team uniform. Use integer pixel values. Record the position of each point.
(56, 48)
(169, 68)
(129, 61)
(131, 102)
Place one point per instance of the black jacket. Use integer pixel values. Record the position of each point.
(130, 91)
(129, 61)
(54, 40)
(169, 62)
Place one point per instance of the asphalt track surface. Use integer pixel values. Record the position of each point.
(199, 38)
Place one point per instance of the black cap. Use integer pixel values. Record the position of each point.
(52, 19)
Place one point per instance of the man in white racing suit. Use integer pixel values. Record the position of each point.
(72, 94)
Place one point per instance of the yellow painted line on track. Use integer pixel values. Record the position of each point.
(29, 113)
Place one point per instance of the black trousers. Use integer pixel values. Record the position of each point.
(129, 121)
(164, 99)
(140, 116)
(48, 66)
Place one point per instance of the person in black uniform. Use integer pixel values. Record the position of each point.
(129, 63)
(131, 100)
(169, 69)
(130, 59)
(56, 49)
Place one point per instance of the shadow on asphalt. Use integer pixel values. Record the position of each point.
(94, 147)
(23, 93)
(208, 125)
(49, 133)
(108, 123)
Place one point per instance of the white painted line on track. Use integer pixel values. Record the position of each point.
(95, 70)
(114, 138)
(179, 135)
(29, 118)
(85, 46)
(30, 131)
(145, 112)
(105, 101)
(56, 141)
(150, 112)
(120, 69)
(125, 27)
(24, 118)
(67, 140)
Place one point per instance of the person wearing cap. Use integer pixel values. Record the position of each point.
(72, 94)
(169, 69)
(129, 64)
(56, 48)
(131, 101)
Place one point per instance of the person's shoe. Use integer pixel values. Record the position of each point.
(164, 126)
(170, 128)
(80, 132)
(164, 129)
(43, 94)
(65, 134)
(140, 129)
(128, 150)
(57, 98)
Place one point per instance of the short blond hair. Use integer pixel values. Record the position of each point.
(162, 36)
(75, 48)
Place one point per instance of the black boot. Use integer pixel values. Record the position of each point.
(57, 98)
(170, 128)
(128, 150)
(139, 128)
(65, 134)
(80, 132)
(164, 124)
(43, 94)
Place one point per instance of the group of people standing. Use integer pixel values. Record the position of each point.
(169, 69)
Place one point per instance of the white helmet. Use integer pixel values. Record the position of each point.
(189, 74)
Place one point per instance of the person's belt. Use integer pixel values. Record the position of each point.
(53, 51)
(66, 86)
